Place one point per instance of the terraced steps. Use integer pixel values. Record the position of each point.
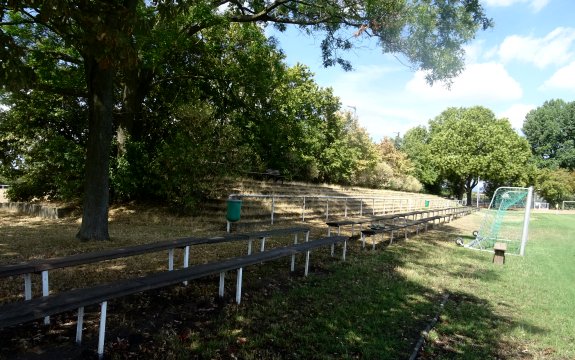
(265, 202)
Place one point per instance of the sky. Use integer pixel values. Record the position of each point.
(527, 58)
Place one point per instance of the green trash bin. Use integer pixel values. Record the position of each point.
(234, 210)
(426, 203)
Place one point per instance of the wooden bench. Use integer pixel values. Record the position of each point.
(435, 214)
(42, 307)
(402, 224)
(378, 219)
(499, 253)
(382, 230)
(43, 266)
(269, 174)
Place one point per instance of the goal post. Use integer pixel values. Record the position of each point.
(506, 220)
(568, 205)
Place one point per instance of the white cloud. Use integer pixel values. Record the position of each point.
(474, 51)
(478, 83)
(516, 114)
(381, 111)
(553, 49)
(564, 79)
(535, 5)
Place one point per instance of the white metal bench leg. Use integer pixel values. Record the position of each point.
(306, 263)
(250, 246)
(239, 286)
(263, 246)
(80, 325)
(222, 280)
(333, 245)
(186, 260)
(293, 256)
(45, 292)
(170, 259)
(28, 286)
(102, 333)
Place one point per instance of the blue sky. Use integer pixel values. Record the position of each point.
(528, 57)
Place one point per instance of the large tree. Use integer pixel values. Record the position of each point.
(471, 143)
(550, 130)
(111, 36)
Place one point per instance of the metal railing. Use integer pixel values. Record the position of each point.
(379, 204)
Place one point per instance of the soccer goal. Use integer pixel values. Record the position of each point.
(568, 205)
(506, 220)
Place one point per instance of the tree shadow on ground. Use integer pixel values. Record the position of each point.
(364, 308)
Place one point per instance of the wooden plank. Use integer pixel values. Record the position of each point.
(276, 232)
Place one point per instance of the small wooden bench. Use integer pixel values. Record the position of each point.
(499, 253)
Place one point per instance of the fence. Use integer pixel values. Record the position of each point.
(348, 206)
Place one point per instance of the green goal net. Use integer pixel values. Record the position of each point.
(505, 221)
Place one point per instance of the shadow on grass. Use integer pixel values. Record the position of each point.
(470, 329)
(370, 307)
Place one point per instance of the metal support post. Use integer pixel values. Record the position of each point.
(80, 325)
(273, 208)
(222, 280)
(525, 233)
(45, 292)
(239, 286)
(28, 286)
(293, 256)
(170, 259)
(102, 332)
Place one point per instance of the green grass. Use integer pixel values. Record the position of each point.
(373, 306)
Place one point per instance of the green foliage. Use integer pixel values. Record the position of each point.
(470, 143)
(391, 169)
(42, 147)
(415, 144)
(167, 57)
(555, 185)
(550, 130)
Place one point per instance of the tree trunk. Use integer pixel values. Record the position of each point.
(470, 183)
(99, 79)
(469, 197)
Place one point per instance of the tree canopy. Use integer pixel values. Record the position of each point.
(464, 145)
(119, 53)
(550, 130)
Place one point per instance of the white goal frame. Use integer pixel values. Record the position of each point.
(476, 244)
(566, 201)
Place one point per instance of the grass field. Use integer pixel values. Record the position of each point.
(373, 306)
